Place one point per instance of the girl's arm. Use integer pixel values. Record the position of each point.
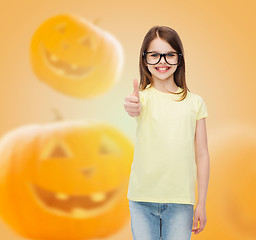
(203, 171)
(202, 160)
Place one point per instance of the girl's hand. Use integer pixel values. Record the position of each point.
(199, 215)
(132, 103)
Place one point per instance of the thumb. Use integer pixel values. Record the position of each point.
(136, 88)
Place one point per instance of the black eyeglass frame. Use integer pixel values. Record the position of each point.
(162, 55)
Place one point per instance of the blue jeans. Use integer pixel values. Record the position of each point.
(164, 221)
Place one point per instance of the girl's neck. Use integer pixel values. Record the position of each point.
(162, 85)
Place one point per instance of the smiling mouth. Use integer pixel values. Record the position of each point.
(63, 68)
(162, 69)
(77, 206)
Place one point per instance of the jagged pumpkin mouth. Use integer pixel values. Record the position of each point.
(78, 206)
(64, 68)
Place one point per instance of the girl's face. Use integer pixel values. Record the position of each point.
(161, 46)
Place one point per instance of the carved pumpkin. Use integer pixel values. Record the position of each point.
(230, 204)
(75, 57)
(65, 180)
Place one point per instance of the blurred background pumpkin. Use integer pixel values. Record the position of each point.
(75, 57)
(230, 206)
(65, 180)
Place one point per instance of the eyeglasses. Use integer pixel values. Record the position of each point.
(153, 58)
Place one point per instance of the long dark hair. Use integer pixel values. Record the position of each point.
(171, 36)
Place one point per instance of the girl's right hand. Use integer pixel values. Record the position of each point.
(132, 103)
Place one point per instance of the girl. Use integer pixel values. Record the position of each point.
(171, 144)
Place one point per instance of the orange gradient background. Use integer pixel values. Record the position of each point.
(219, 42)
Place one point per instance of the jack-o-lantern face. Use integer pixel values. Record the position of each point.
(71, 176)
(75, 57)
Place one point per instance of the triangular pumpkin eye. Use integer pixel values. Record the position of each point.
(56, 149)
(58, 152)
(87, 42)
(108, 146)
(61, 27)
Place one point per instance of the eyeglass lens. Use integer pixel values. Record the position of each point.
(153, 58)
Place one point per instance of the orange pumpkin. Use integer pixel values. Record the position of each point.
(230, 204)
(65, 180)
(75, 57)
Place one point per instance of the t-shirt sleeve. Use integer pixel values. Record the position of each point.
(143, 104)
(201, 108)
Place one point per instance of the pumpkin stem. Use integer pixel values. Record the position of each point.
(96, 22)
(58, 116)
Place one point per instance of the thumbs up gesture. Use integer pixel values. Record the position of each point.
(132, 103)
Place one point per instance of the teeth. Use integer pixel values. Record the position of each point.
(61, 196)
(97, 197)
(60, 71)
(54, 58)
(77, 212)
(163, 68)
